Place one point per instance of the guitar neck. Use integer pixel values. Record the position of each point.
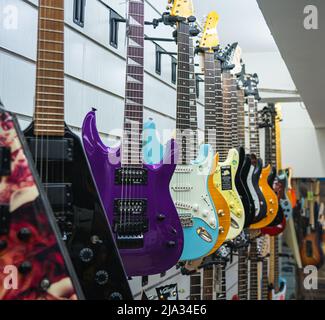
(265, 282)
(241, 117)
(221, 289)
(183, 123)
(254, 138)
(193, 106)
(253, 271)
(195, 286)
(278, 144)
(274, 262)
(208, 281)
(210, 100)
(234, 108)
(133, 112)
(227, 113)
(243, 274)
(49, 101)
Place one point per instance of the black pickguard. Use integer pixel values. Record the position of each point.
(82, 220)
(242, 188)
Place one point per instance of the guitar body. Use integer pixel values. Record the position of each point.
(150, 242)
(311, 251)
(242, 188)
(256, 183)
(64, 170)
(224, 180)
(270, 197)
(195, 206)
(283, 195)
(281, 294)
(30, 241)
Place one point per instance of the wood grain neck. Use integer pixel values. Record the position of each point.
(234, 108)
(278, 144)
(49, 101)
(133, 112)
(208, 280)
(243, 273)
(253, 271)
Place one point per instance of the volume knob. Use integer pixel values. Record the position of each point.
(86, 255)
(101, 277)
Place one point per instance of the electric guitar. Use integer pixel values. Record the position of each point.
(277, 285)
(256, 191)
(225, 174)
(64, 171)
(271, 154)
(30, 242)
(136, 195)
(195, 201)
(272, 204)
(310, 248)
(208, 43)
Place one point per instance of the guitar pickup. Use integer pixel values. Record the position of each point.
(5, 218)
(51, 149)
(5, 161)
(59, 195)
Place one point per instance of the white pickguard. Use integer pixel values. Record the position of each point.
(253, 191)
(189, 188)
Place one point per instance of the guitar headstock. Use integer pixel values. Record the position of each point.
(181, 8)
(210, 40)
(278, 110)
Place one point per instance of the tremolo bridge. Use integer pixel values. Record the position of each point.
(130, 222)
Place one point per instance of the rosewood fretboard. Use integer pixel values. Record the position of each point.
(193, 106)
(210, 100)
(254, 137)
(133, 113)
(183, 123)
(241, 117)
(49, 108)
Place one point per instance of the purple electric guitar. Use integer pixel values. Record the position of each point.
(136, 196)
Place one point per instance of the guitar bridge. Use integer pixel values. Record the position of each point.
(130, 222)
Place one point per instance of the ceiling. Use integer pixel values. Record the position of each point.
(240, 21)
(302, 50)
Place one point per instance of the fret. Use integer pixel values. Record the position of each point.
(134, 97)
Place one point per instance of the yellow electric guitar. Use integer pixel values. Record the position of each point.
(207, 46)
(225, 175)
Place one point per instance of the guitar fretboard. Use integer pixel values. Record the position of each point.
(227, 113)
(253, 271)
(208, 281)
(234, 107)
(265, 282)
(243, 273)
(210, 100)
(183, 123)
(133, 113)
(195, 286)
(221, 287)
(49, 108)
(254, 138)
(241, 117)
(193, 107)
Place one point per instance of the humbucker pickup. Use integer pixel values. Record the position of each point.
(130, 222)
(131, 176)
(51, 149)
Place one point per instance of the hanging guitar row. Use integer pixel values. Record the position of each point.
(78, 219)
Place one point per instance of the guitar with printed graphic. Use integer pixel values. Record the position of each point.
(195, 204)
(29, 238)
(136, 195)
(225, 174)
(64, 171)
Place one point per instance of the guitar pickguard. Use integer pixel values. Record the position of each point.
(231, 195)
